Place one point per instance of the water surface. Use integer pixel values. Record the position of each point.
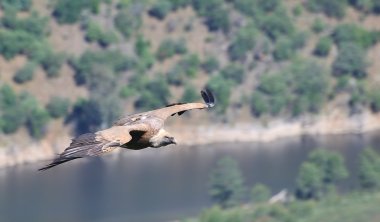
(157, 184)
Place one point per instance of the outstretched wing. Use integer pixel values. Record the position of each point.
(180, 108)
(95, 144)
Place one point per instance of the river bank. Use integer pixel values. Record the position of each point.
(334, 123)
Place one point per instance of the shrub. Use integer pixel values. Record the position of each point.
(210, 64)
(283, 49)
(352, 33)
(68, 11)
(176, 76)
(189, 95)
(217, 19)
(58, 107)
(369, 169)
(126, 92)
(310, 84)
(318, 26)
(52, 64)
(259, 104)
(108, 59)
(127, 23)
(350, 61)
(36, 122)
(233, 72)
(374, 97)
(226, 183)
(190, 65)
(277, 24)
(330, 8)
(309, 182)
(260, 193)
(95, 34)
(155, 95)
(22, 5)
(323, 47)
(366, 5)
(160, 9)
(142, 49)
(169, 48)
(25, 74)
(33, 24)
(297, 10)
(15, 42)
(243, 42)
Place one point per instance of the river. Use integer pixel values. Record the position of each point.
(158, 184)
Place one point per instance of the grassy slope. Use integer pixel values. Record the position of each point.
(351, 208)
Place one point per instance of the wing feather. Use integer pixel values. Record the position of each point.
(95, 144)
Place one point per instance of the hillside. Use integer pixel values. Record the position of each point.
(68, 67)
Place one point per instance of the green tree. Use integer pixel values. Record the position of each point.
(226, 183)
(350, 61)
(68, 11)
(52, 63)
(37, 121)
(369, 169)
(142, 50)
(323, 47)
(155, 95)
(168, 48)
(189, 95)
(335, 8)
(260, 193)
(259, 104)
(233, 72)
(22, 5)
(25, 74)
(160, 9)
(127, 22)
(210, 64)
(190, 65)
(283, 49)
(243, 42)
(58, 106)
(352, 33)
(331, 165)
(318, 26)
(309, 182)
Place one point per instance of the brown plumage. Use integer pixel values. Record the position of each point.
(137, 131)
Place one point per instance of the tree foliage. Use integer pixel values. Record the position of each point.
(58, 106)
(369, 169)
(319, 174)
(226, 183)
(350, 61)
(335, 8)
(25, 74)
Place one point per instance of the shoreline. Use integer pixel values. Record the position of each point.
(219, 133)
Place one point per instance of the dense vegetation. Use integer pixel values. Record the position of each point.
(259, 63)
(315, 197)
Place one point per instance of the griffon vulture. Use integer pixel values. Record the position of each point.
(136, 131)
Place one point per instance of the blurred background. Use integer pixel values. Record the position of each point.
(294, 135)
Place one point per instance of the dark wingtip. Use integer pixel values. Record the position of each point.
(208, 97)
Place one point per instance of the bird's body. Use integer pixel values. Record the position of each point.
(136, 131)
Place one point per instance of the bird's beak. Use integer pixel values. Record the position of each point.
(174, 141)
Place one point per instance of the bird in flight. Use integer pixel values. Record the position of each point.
(136, 131)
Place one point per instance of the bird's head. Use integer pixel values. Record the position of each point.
(162, 138)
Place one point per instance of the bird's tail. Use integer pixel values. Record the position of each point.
(84, 145)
